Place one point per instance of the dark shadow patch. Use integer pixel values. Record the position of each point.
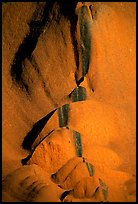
(93, 12)
(26, 159)
(39, 20)
(67, 9)
(37, 128)
(78, 81)
(64, 194)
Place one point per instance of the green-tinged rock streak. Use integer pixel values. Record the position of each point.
(63, 115)
(78, 143)
(104, 189)
(78, 94)
(90, 168)
(85, 38)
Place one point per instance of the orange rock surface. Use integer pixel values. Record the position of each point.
(106, 120)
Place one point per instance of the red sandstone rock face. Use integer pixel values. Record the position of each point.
(45, 74)
(106, 120)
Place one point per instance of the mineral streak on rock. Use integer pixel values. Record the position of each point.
(79, 94)
(63, 115)
(84, 26)
(78, 143)
(90, 168)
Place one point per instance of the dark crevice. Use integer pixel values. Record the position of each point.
(67, 8)
(43, 139)
(93, 12)
(37, 128)
(96, 189)
(26, 159)
(91, 9)
(64, 194)
(78, 81)
(70, 94)
(28, 45)
(40, 19)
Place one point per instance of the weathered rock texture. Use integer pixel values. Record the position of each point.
(40, 58)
